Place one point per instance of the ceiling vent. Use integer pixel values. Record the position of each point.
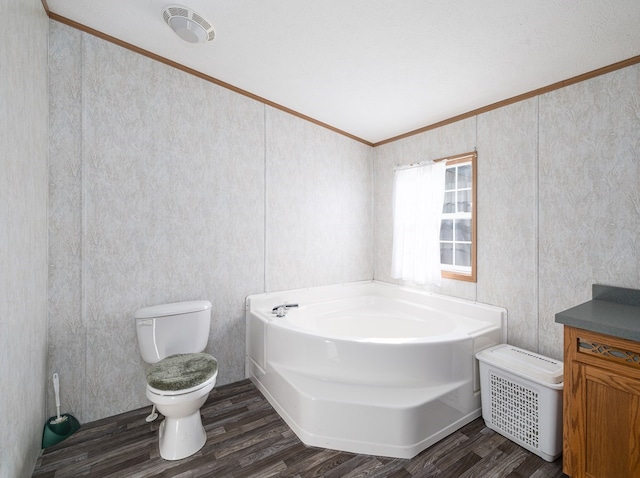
(188, 25)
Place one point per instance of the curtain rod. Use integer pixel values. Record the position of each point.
(471, 154)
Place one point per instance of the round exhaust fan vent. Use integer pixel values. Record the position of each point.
(188, 25)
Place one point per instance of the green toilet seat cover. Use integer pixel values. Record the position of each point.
(181, 371)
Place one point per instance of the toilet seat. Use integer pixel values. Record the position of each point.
(180, 374)
(175, 393)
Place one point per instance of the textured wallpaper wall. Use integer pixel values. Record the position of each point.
(589, 207)
(164, 188)
(558, 200)
(23, 233)
(319, 216)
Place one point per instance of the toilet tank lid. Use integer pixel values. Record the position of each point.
(175, 308)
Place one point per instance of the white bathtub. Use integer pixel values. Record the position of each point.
(370, 367)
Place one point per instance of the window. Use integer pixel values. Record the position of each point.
(458, 222)
(434, 221)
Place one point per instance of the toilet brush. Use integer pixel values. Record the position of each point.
(61, 426)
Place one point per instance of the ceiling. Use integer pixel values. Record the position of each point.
(377, 69)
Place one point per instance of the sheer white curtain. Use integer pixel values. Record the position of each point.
(418, 193)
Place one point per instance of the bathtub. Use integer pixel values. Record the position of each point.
(370, 367)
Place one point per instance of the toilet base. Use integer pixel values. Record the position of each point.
(181, 437)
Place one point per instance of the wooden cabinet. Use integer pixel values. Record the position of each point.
(601, 405)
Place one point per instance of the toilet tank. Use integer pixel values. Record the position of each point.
(178, 328)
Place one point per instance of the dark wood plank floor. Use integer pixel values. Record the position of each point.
(247, 438)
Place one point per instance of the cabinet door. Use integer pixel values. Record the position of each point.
(606, 423)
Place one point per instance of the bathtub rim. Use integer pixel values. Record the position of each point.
(274, 298)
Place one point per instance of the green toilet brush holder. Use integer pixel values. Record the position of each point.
(58, 427)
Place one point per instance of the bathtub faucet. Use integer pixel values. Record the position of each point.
(281, 310)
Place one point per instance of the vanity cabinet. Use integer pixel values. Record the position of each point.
(601, 405)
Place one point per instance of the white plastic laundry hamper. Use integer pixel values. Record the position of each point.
(521, 395)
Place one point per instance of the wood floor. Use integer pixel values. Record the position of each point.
(247, 438)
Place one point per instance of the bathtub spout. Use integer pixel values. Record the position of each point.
(281, 310)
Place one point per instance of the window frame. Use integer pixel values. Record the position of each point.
(451, 272)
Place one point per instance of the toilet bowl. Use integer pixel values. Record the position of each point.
(171, 338)
(181, 433)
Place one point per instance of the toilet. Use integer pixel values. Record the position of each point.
(172, 337)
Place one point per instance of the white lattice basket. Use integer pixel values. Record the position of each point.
(522, 398)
